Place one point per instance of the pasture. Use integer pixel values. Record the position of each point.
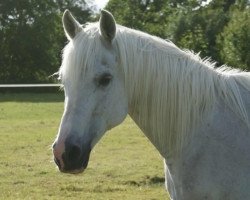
(123, 165)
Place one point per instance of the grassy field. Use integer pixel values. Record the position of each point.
(124, 165)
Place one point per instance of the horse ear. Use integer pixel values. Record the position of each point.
(107, 25)
(70, 24)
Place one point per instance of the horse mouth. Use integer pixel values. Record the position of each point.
(71, 169)
(74, 171)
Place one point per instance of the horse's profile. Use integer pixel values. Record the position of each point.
(196, 115)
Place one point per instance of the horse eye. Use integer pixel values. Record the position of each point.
(104, 79)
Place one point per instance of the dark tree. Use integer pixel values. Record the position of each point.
(32, 37)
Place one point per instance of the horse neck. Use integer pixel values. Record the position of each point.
(165, 99)
(170, 91)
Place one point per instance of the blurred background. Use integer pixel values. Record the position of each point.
(32, 37)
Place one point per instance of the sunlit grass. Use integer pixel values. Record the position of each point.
(124, 165)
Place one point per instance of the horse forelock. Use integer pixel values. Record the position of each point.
(80, 54)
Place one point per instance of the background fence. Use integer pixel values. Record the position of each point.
(29, 88)
(28, 85)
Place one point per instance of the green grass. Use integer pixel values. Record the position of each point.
(124, 165)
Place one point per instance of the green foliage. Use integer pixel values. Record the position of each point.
(201, 27)
(124, 165)
(194, 40)
(190, 24)
(32, 38)
(148, 16)
(235, 40)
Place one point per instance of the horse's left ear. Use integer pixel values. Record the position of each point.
(70, 24)
(107, 25)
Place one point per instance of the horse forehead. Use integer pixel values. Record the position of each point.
(107, 53)
(105, 61)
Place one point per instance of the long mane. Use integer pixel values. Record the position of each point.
(169, 90)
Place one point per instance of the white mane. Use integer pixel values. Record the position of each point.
(169, 90)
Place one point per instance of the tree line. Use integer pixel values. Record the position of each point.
(219, 29)
(32, 37)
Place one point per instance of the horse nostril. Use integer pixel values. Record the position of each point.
(74, 152)
(75, 155)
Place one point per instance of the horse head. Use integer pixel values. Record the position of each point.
(95, 97)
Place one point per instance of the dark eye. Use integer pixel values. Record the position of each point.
(104, 79)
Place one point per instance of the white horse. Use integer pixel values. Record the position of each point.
(197, 116)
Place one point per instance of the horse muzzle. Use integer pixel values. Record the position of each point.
(72, 156)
